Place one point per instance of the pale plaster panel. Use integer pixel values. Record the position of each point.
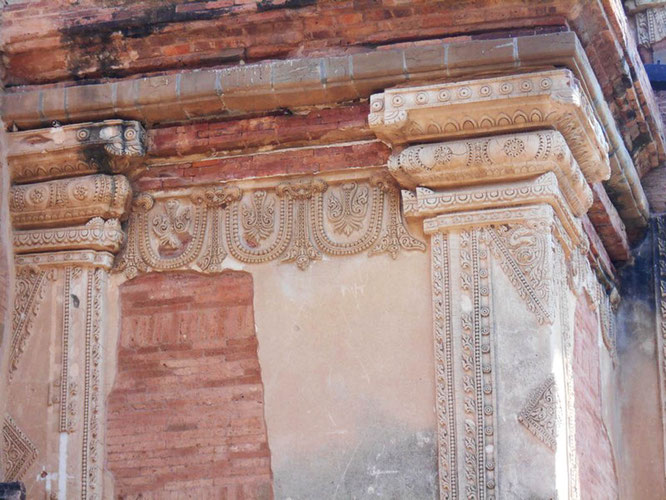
(524, 360)
(346, 353)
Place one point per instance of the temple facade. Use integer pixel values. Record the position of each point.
(308, 249)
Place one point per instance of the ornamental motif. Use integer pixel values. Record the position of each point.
(539, 415)
(298, 221)
(19, 452)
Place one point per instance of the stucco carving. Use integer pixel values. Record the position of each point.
(69, 201)
(295, 221)
(444, 371)
(547, 99)
(19, 452)
(494, 159)
(81, 258)
(28, 294)
(543, 189)
(74, 150)
(540, 413)
(651, 25)
(660, 296)
(96, 234)
(478, 378)
(91, 469)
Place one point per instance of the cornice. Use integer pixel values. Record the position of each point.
(96, 234)
(74, 150)
(494, 159)
(546, 99)
(69, 201)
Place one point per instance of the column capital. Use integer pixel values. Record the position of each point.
(69, 201)
(73, 150)
(494, 159)
(545, 99)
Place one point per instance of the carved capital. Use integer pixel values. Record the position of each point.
(96, 234)
(494, 159)
(69, 201)
(546, 99)
(542, 190)
(73, 150)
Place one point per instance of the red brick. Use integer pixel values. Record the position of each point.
(187, 402)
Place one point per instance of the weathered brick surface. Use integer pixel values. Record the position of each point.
(185, 416)
(595, 456)
(291, 161)
(318, 126)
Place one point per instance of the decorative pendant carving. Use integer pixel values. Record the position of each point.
(297, 221)
(28, 295)
(523, 253)
(19, 452)
(539, 415)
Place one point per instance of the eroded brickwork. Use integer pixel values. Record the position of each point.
(185, 415)
(595, 456)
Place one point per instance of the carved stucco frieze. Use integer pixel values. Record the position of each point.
(547, 99)
(494, 159)
(75, 150)
(96, 234)
(540, 413)
(296, 221)
(651, 25)
(69, 201)
(19, 452)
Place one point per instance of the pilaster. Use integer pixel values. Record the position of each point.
(66, 233)
(501, 186)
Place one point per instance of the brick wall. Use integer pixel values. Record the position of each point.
(185, 416)
(595, 456)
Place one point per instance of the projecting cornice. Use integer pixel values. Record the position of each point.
(549, 99)
(492, 159)
(73, 150)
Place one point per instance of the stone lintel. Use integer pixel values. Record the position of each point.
(545, 99)
(542, 190)
(73, 150)
(494, 159)
(78, 258)
(96, 234)
(539, 215)
(67, 202)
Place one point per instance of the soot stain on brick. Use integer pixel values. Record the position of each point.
(97, 156)
(266, 5)
(98, 49)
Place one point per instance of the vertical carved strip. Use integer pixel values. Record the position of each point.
(444, 377)
(477, 362)
(569, 403)
(64, 357)
(660, 296)
(91, 409)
